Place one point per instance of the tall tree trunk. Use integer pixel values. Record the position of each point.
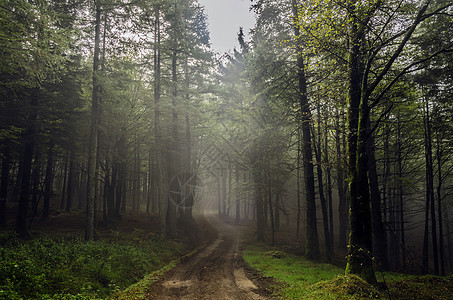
(385, 189)
(71, 181)
(400, 194)
(325, 217)
(271, 209)
(138, 179)
(236, 198)
(393, 220)
(342, 200)
(219, 190)
(265, 204)
(136, 186)
(429, 194)
(4, 182)
(259, 205)
(25, 169)
(125, 188)
(121, 190)
(189, 202)
(312, 242)
(173, 156)
(247, 198)
(157, 176)
(230, 184)
(93, 139)
(449, 240)
(360, 237)
(277, 210)
(299, 150)
(329, 189)
(36, 178)
(379, 235)
(112, 187)
(439, 205)
(22, 211)
(107, 186)
(224, 191)
(81, 184)
(149, 184)
(48, 184)
(65, 178)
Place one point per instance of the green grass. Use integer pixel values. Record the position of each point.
(298, 275)
(298, 278)
(140, 290)
(70, 268)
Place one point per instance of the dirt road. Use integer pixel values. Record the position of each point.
(216, 272)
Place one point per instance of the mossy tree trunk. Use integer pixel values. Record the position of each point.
(312, 242)
(359, 259)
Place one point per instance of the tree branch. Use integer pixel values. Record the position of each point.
(406, 70)
(419, 18)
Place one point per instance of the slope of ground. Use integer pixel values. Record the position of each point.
(215, 272)
(56, 263)
(299, 278)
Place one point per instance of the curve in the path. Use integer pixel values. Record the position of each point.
(214, 273)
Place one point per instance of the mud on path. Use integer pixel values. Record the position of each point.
(216, 272)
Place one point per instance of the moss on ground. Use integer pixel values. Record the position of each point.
(299, 278)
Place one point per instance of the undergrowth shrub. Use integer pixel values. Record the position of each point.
(70, 268)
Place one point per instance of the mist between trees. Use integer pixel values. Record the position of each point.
(333, 117)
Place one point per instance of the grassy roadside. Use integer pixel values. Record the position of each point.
(70, 268)
(299, 278)
(139, 290)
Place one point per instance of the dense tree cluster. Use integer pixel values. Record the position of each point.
(335, 115)
(358, 73)
(90, 92)
(350, 83)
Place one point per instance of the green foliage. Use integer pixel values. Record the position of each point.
(304, 279)
(422, 287)
(70, 268)
(296, 274)
(140, 289)
(345, 287)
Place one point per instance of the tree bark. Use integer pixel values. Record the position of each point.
(258, 183)
(298, 166)
(159, 199)
(219, 190)
(36, 177)
(93, 139)
(429, 194)
(360, 237)
(439, 205)
(71, 181)
(65, 178)
(400, 194)
(173, 155)
(271, 209)
(329, 190)
(4, 183)
(312, 242)
(342, 200)
(25, 169)
(236, 198)
(319, 171)
(48, 184)
(379, 236)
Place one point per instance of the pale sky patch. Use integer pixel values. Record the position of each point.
(224, 19)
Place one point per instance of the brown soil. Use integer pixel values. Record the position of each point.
(216, 272)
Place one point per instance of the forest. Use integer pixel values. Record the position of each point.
(325, 132)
